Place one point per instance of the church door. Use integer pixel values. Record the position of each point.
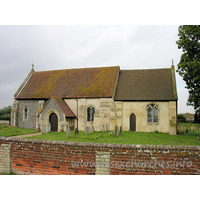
(53, 119)
(132, 122)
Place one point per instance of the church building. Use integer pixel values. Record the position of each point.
(142, 100)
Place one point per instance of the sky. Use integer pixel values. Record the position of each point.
(132, 39)
(80, 46)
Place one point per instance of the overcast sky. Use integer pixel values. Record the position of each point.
(66, 47)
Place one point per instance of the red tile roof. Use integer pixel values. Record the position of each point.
(64, 107)
(71, 83)
(146, 85)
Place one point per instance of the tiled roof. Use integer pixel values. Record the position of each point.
(64, 107)
(146, 85)
(71, 83)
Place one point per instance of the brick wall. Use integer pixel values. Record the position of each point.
(50, 157)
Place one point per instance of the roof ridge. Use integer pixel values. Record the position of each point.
(77, 69)
(145, 69)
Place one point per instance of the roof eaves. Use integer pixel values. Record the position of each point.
(58, 100)
(24, 83)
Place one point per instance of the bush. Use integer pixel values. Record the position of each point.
(181, 118)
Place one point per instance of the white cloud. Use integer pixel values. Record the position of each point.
(61, 47)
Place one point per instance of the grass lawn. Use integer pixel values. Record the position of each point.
(125, 138)
(7, 131)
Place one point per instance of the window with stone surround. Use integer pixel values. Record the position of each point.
(25, 113)
(152, 113)
(90, 113)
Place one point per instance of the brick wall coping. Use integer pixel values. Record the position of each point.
(101, 145)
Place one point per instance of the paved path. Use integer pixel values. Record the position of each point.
(27, 135)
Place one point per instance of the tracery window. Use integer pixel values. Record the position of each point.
(90, 114)
(152, 113)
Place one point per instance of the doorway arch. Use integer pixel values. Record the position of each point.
(132, 122)
(53, 120)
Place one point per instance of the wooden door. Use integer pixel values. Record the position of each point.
(133, 122)
(53, 119)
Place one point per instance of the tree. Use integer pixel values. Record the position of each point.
(189, 65)
(5, 113)
(197, 116)
(181, 118)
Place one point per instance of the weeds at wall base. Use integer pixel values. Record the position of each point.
(10, 173)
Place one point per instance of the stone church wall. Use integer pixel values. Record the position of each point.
(32, 106)
(166, 116)
(104, 112)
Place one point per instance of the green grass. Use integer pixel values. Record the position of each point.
(125, 138)
(7, 131)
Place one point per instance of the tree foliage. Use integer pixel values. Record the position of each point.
(5, 113)
(197, 116)
(181, 118)
(189, 65)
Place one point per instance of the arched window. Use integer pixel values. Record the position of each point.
(90, 114)
(152, 113)
(25, 112)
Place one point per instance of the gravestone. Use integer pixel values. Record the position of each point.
(86, 130)
(76, 131)
(106, 127)
(120, 132)
(92, 129)
(48, 127)
(43, 128)
(89, 129)
(110, 133)
(68, 133)
(103, 129)
(116, 129)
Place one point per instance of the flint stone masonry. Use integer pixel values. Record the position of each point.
(32, 106)
(52, 105)
(5, 158)
(29, 156)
